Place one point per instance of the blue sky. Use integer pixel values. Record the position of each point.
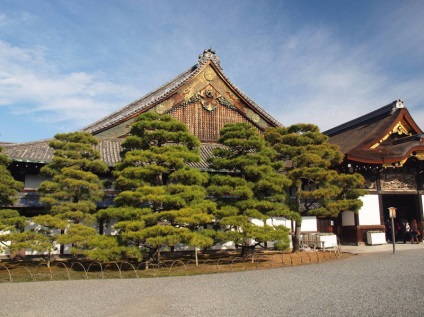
(66, 64)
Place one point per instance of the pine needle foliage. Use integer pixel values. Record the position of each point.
(320, 189)
(163, 200)
(74, 188)
(249, 188)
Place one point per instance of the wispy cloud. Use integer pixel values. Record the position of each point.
(32, 84)
(302, 62)
(317, 76)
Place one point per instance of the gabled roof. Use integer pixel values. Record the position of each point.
(156, 99)
(388, 135)
(111, 129)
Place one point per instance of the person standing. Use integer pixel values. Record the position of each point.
(407, 231)
(414, 231)
(404, 229)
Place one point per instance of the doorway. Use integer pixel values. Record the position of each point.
(407, 207)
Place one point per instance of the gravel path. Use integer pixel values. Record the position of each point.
(376, 284)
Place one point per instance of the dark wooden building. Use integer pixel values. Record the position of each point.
(387, 147)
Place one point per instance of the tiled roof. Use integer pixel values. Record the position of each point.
(360, 134)
(36, 152)
(156, 96)
(40, 152)
(357, 137)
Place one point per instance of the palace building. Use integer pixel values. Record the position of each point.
(202, 97)
(386, 146)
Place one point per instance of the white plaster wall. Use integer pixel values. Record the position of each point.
(273, 221)
(230, 245)
(422, 201)
(278, 221)
(309, 223)
(257, 222)
(369, 214)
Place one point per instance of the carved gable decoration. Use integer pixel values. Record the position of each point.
(398, 182)
(206, 104)
(209, 98)
(401, 128)
(207, 88)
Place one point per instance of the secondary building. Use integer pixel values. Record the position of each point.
(386, 146)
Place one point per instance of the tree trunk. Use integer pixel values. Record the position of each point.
(297, 229)
(154, 254)
(101, 226)
(49, 255)
(296, 237)
(62, 246)
(247, 250)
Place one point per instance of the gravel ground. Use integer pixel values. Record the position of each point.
(375, 284)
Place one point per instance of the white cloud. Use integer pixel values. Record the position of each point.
(30, 84)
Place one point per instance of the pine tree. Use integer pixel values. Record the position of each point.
(320, 189)
(248, 186)
(70, 196)
(162, 202)
(10, 220)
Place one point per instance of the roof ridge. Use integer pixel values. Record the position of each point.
(387, 109)
(26, 143)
